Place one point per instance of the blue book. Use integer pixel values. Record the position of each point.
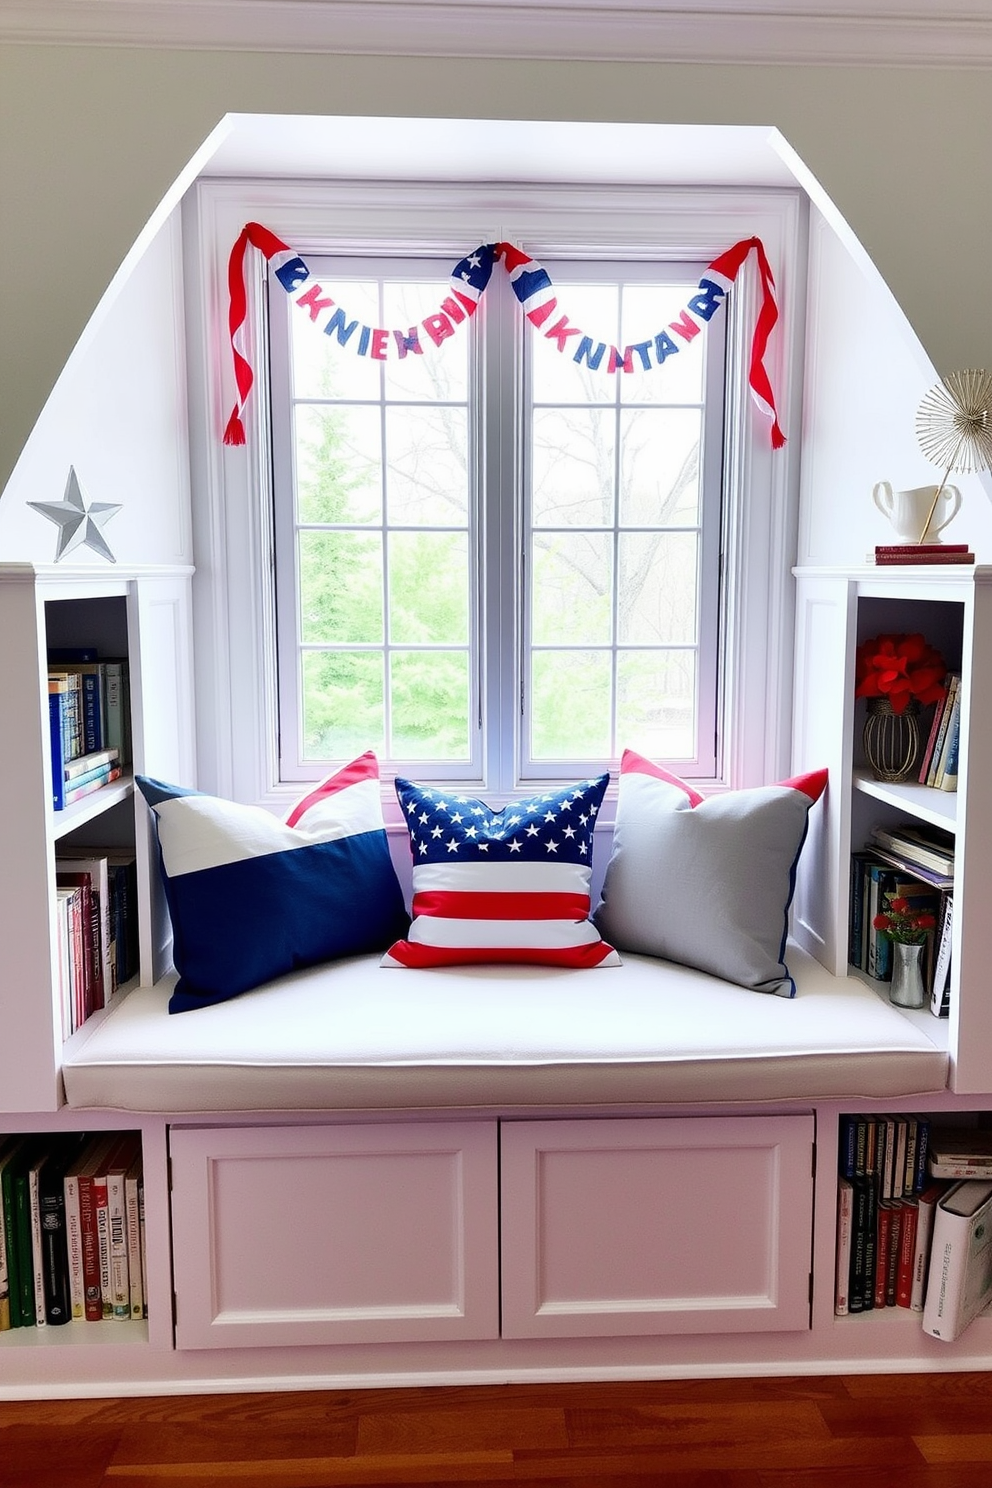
(56, 723)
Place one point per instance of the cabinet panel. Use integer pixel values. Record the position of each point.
(656, 1226)
(334, 1234)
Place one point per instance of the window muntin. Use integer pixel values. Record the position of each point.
(602, 551)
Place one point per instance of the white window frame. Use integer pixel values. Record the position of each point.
(233, 615)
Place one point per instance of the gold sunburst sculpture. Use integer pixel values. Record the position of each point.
(954, 427)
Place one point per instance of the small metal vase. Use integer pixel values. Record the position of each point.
(906, 988)
(891, 740)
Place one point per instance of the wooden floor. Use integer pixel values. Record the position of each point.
(876, 1431)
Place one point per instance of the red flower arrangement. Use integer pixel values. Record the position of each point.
(900, 668)
(904, 923)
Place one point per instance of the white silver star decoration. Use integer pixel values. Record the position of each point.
(79, 524)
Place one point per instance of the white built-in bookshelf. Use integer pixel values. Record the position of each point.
(198, 1334)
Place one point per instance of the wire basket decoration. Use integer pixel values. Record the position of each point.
(954, 427)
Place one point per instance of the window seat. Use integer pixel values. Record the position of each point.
(352, 1035)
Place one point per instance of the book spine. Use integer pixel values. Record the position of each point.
(856, 936)
(895, 1245)
(55, 1254)
(932, 737)
(960, 1281)
(921, 548)
(4, 1277)
(117, 714)
(103, 1245)
(922, 1155)
(952, 724)
(940, 991)
(133, 1211)
(74, 1247)
(144, 1252)
(84, 777)
(845, 1213)
(907, 1177)
(120, 1287)
(92, 712)
(37, 1253)
(10, 1236)
(86, 764)
(949, 777)
(925, 1208)
(907, 1253)
(883, 1247)
(885, 560)
(77, 792)
(888, 1169)
(945, 1282)
(859, 1239)
(961, 1168)
(92, 1296)
(952, 688)
(56, 728)
(847, 1145)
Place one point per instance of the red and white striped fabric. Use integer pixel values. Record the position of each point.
(507, 885)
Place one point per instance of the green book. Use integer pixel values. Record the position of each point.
(23, 1246)
(8, 1163)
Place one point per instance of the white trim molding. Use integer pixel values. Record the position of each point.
(893, 33)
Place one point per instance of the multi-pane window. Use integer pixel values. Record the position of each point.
(495, 562)
(623, 506)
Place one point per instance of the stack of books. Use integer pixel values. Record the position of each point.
(89, 723)
(896, 553)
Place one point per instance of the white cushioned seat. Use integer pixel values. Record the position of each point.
(354, 1035)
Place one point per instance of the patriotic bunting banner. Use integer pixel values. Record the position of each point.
(538, 300)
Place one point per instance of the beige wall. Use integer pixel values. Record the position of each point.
(91, 139)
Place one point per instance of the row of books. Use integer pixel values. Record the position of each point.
(876, 877)
(882, 1195)
(914, 1220)
(72, 1241)
(97, 916)
(939, 762)
(89, 723)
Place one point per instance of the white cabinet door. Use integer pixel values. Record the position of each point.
(695, 1225)
(335, 1234)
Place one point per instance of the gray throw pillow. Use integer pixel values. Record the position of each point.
(706, 881)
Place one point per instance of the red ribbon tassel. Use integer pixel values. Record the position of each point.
(267, 243)
(729, 265)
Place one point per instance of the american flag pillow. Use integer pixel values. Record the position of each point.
(506, 885)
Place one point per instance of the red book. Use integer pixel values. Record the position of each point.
(92, 1168)
(886, 1216)
(920, 548)
(938, 714)
(907, 1253)
(895, 1242)
(938, 556)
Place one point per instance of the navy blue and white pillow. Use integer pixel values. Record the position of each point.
(252, 897)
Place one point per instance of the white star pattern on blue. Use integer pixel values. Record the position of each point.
(540, 829)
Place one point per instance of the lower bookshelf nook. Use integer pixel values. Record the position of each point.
(72, 1238)
(895, 1175)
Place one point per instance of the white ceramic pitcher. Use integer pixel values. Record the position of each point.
(907, 510)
